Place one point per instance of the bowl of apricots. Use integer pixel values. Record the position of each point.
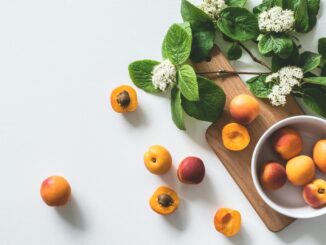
(289, 166)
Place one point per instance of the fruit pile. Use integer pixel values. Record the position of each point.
(191, 170)
(299, 170)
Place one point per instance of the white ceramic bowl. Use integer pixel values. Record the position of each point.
(288, 200)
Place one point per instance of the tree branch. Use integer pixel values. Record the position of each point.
(226, 72)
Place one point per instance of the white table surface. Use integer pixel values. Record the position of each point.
(59, 60)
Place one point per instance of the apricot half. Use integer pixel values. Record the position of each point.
(300, 170)
(164, 200)
(124, 99)
(55, 191)
(157, 160)
(235, 137)
(287, 143)
(244, 108)
(319, 155)
(227, 221)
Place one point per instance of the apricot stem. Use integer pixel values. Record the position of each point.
(321, 190)
(227, 72)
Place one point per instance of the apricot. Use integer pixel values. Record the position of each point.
(227, 221)
(55, 191)
(287, 143)
(157, 160)
(319, 155)
(273, 176)
(235, 137)
(191, 170)
(300, 170)
(244, 108)
(314, 193)
(124, 99)
(164, 201)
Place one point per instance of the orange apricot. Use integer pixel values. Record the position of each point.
(300, 170)
(235, 137)
(157, 160)
(273, 176)
(319, 155)
(124, 99)
(55, 191)
(227, 221)
(164, 201)
(244, 108)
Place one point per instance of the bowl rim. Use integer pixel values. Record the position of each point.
(254, 164)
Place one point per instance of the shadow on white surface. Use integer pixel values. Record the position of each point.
(136, 118)
(241, 238)
(179, 219)
(72, 214)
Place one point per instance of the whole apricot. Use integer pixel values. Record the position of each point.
(124, 99)
(191, 170)
(244, 108)
(314, 193)
(227, 221)
(287, 143)
(164, 201)
(300, 170)
(273, 176)
(55, 191)
(157, 160)
(235, 137)
(319, 155)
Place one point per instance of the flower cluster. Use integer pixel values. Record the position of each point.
(164, 74)
(284, 80)
(213, 7)
(276, 20)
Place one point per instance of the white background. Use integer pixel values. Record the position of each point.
(59, 61)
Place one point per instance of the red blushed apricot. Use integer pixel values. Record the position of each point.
(55, 191)
(227, 221)
(244, 108)
(191, 170)
(287, 143)
(273, 176)
(314, 193)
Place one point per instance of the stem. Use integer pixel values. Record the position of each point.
(226, 72)
(297, 92)
(253, 57)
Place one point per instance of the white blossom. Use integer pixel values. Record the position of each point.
(284, 80)
(164, 74)
(213, 7)
(276, 20)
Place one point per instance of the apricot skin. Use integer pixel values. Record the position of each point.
(191, 170)
(227, 221)
(273, 176)
(300, 170)
(157, 160)
(244, 108)
(55, 191)
(314, 193)
(319, 155)
(287, 143)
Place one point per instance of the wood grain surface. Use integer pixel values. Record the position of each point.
(238, 163)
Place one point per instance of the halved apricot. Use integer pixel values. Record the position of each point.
(227, 221)
(235, 137)
(164, 201)
(124, 99)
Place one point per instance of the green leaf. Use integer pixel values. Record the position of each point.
(309, 61)
(186, 26)
(202, 45)
(314, 98)
(238, 24)
(258, 86)
(322, 46)
(234, 51)
(140, 73)
(211, 103)
(197, 18)
(315, 80)
(176, 45)
(236, 3)
(187, 82)
(313, 9)
(176, 109)
(279, 44)
(323, 70)
(267, 4)
(301, 15)
(292, 60)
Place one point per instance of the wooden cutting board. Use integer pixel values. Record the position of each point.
(238, 163)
